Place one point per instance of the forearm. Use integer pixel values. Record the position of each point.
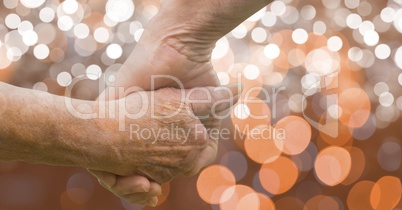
(220, 16)
(37, 127)
(192, 27)
(206, 20)
(180, 39)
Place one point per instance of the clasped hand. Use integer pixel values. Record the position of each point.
(163, 134)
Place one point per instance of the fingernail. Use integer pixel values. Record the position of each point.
(154, 203)
(145, 188)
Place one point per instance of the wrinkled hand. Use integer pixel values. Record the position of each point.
(178, 44)
(161, 158)
(155, 57)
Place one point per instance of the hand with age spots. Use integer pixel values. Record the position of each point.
(176, 142)
(177, 42)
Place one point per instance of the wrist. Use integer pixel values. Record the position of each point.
(94, 144)
(38, 127)
(74, 139)
(186, 35)
(207, 20)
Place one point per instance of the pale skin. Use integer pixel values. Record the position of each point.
(177, 44)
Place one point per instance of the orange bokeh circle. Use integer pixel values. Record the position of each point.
(355, 106)
(238, 197)
(262, 148)
(357, 167)
(297, 134)
(332, 165)
(213, 181)
(322, 202)
(386, 194)
(278, 176)
(265, 202)
(252, 113)
(359, 195)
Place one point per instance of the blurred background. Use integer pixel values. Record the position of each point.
(327, 72)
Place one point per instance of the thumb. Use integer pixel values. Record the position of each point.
(106, 179)
(205, 100)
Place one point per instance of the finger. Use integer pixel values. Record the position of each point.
(131, 184)
(152, 202)
(219, 111)
(106, 179)
(143, 198)
(205, 158)
(212, 124)
(220, 105)
(225, 96)
(155, 189)
(208, 78)
(203, 100)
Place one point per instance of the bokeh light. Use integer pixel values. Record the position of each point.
(239, 197)
(297, 134)
(263, 149)
(316, 127)
(332, 165)
(278, 176)
(213, 183)
(386, 194)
